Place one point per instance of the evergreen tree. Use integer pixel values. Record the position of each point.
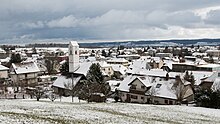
(64, 69)
(207, 98)
(94, 83)
(104, 53)
(190, 78)
(15, 58)
(95, 73)
(186, 76)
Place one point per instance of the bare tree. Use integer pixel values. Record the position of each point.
(52, 96)
(72, 87)
(38, 92)
(179, 89)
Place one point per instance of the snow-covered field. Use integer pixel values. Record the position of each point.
(44, 111)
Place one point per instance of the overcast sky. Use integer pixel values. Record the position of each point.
(88, 20)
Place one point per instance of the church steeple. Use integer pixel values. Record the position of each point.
(73, 56)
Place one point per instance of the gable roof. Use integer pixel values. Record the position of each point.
(25, 67)
(65, 82)
(83, 68)
(163, 89)
(120, 68)
(211, 78)
(3, 68)
(125, 84)
(216, 85)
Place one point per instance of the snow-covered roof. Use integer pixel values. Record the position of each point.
(145, 80)
(124, 85)
(3, 68)
(120, 68)
(216, 85)
(131, 55)
(113, 84)
(74, 43)
(29, 67)
(45, 76)
(104, 64)
(199, 54)
(117, 60)
(5, 60)
(91, 59)
(156, 59)
(65, 82)
(168, 63)
(83, 68)
(163, 89)
(200, 62)
(2, 51)
(138, 66)
(211, 78)
(209, 66)
(198, 75)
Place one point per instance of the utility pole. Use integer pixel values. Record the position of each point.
(72, 86)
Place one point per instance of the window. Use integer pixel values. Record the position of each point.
(142, 98)
(166, 101)
(142, 87)
(134, 97)
(122, 94)
(133, 86)
(156, 102)
(76, 52)
(71, 52)
(218, 74)
(158, 85)
(171, 102)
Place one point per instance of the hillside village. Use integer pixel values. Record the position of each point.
(166, 75)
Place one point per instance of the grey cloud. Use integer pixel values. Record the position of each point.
(99, 19)
(213, 17)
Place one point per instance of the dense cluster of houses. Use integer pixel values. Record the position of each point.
(154, 75)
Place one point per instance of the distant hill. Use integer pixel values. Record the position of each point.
(142, 43)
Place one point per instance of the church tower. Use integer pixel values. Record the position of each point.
(73, 56)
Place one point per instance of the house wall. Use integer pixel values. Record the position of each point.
(138, 85)
(160, 64)
(136, 98)
(24, 79)
(189, 95)
(108, 70)
(206, 85)
(4, 74)
(133, 98)
(163, 101)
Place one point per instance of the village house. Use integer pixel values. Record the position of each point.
(207, 82)
(146, 89)
(24, 74)
(121, 61)
(155, 62)
(106, 68)
(3, 78)
(78, 71)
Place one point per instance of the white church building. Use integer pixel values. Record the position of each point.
(62, 84)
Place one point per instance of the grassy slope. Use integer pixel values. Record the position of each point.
(30, 111)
